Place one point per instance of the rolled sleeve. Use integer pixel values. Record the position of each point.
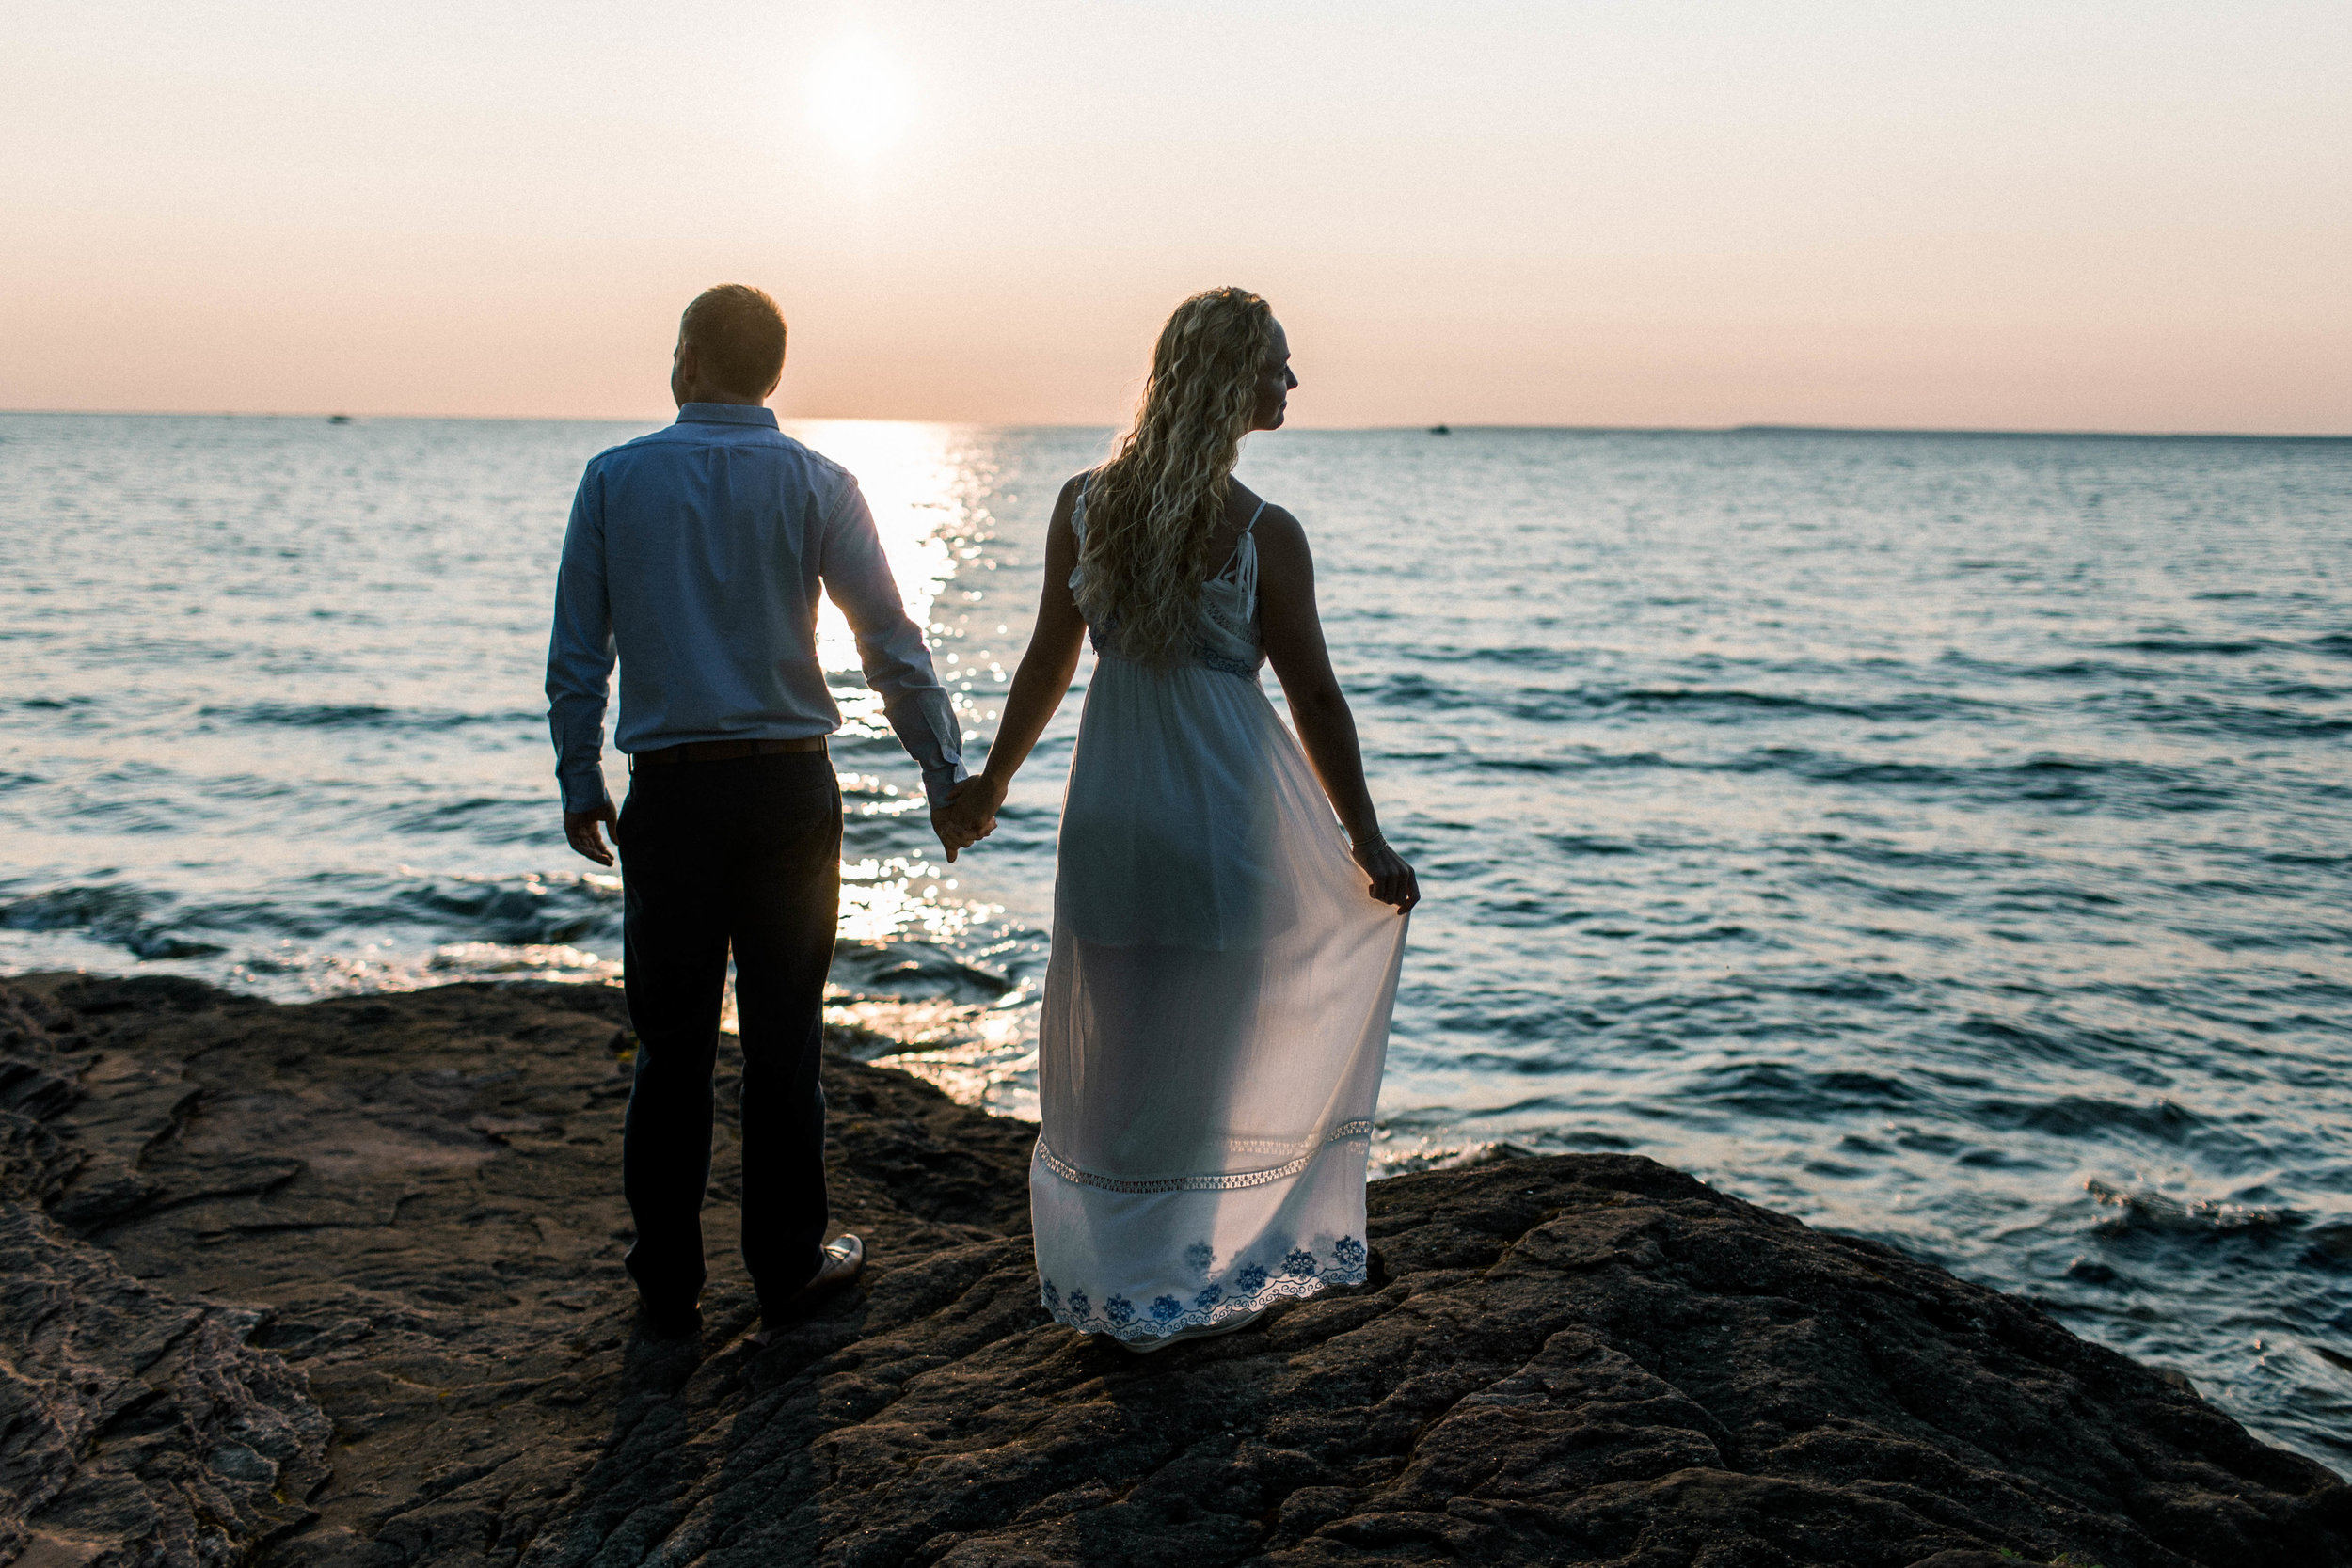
(579, 653)
(890, 645)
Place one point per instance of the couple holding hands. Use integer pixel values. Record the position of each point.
(1227, 918)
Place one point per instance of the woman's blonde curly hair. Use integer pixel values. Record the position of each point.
(1152, 509)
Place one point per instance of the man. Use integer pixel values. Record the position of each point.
(696, 553)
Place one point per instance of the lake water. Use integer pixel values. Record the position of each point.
(1943, 838)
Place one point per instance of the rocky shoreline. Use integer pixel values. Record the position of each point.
(338, 1286)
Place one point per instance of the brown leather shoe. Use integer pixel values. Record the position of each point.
(844, 1260)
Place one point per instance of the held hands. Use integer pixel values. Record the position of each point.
(585, 829)
(1392, 880)
(969, 816)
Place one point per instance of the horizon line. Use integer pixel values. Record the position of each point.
(1765, 428)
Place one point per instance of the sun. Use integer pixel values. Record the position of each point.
(859, 100)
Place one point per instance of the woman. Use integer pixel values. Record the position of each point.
(1224, 963)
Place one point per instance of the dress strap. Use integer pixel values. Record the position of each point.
(1246, 559)
(1242, 565)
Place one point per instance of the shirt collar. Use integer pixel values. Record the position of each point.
(727, 413)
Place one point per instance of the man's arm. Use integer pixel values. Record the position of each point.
(580, 674)
(890, 646)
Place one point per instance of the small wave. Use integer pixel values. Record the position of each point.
(1402, 1146)
(2080, 1117)
(2020, 1042)
(1850, 987)
(1463, 1157)
(1517, 656)
(1737, 701)
(1542, 765)
(2330, 1248)
(536, 961)
(1922, 860)
(526, 912)
(115, 914)
(2207, 716)
(328, 716)
(1419, 692)
(2115, 784)
(1776, 1089)
(913, 968)
(2130, 1213)
(489, 818)
(2188, 645)
(1587, 844)
(1709, 705)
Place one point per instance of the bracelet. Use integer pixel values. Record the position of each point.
(1367, 842)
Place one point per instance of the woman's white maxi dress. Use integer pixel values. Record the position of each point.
(1216, 1005)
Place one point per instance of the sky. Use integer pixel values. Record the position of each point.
(2074, 214)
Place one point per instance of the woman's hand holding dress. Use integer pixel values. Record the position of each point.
(1392, 880)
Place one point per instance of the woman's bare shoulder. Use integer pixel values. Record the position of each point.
(1066, 503)
(1278, 524)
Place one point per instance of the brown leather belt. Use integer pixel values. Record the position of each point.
(725, 751)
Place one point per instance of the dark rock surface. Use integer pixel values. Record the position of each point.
(339, 1285)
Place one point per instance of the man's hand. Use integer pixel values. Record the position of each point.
(585, 829)
(969, 816)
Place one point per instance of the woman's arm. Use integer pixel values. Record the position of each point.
(1327, 730)
(1038, 685)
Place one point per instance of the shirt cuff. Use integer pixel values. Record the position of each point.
(937, 782)
(583, 789)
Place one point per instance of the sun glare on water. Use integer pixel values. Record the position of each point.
(859, 100)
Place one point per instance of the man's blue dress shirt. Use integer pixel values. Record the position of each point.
(696, 553)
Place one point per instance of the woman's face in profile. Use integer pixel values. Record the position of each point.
(1275, 382)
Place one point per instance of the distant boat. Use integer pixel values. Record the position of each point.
(1440, 429)
(337, 418)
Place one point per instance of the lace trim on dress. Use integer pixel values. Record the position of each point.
(1231, 1181)
(1201, 656)
(1254, 1289)
(1242, 667)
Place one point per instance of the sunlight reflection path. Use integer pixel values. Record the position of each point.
(919, 963)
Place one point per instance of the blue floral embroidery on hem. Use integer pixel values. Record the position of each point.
(1251, 1289)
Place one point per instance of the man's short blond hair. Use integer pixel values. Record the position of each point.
(740, 334)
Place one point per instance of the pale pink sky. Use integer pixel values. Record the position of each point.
(2128, 216)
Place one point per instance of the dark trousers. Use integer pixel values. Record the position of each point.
(742, 854)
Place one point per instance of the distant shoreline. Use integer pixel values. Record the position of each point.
(324, 416)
